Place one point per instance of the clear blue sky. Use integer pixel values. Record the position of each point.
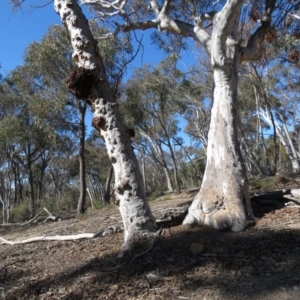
(19, 29)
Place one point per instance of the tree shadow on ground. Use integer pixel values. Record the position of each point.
(253, 264)
(269, 202)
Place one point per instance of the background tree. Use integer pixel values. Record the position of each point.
(150, 104)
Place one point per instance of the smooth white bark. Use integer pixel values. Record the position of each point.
(220, 202)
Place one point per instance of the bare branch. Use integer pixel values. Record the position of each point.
(294, 16)
(52, 238)
(12, 263)
(249, 52)
(116, 6)
(155, 7)
(165, 8)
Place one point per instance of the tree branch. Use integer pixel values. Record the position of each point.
(52, 238)
(249, 52)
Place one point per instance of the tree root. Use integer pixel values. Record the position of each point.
(156, 235)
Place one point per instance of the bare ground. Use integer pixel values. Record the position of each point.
(263, 262)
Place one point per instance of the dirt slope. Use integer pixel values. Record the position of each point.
(262, 262)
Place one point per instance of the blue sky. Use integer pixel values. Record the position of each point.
(19, 29)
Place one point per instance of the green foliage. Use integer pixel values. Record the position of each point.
(49, 203)
(69, 199)
(20, 213)
(100, 205)
(259, 183)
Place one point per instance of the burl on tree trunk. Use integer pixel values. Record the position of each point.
(89, 82)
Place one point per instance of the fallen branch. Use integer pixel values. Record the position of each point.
(292, 198)
(50, 216)
(155, 277)
(52, 238)
(80, 236)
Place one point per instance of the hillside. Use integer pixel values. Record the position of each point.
(185, 263)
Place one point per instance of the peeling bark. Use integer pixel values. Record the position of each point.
(220, 202)
(223, 201)
(129, 189)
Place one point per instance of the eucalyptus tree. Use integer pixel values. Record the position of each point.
(223, 200)
(194, 94)
(99, 169)
(26, 138)
(50, 61)
(281, 92)
(90, 82)
(149, 105)
(269, 107)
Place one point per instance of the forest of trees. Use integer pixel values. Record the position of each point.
(173, 117)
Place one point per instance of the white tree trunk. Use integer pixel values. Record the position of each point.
(285, 140)
(169, 181)
(220, 202)
(160, 158)
(129, 189)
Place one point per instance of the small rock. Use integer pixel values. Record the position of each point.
(113, 287)
(144, 285)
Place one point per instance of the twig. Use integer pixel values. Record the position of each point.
(157, 234)
(12, 263)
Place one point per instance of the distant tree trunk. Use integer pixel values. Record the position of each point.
(14, 169)
(177, 184)
(40, 183)
(18, 191)
(129, 189)
(169, 181)
(82, 179)
(159, 157)
(30, 178)
(285, 139)
(107, 185)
